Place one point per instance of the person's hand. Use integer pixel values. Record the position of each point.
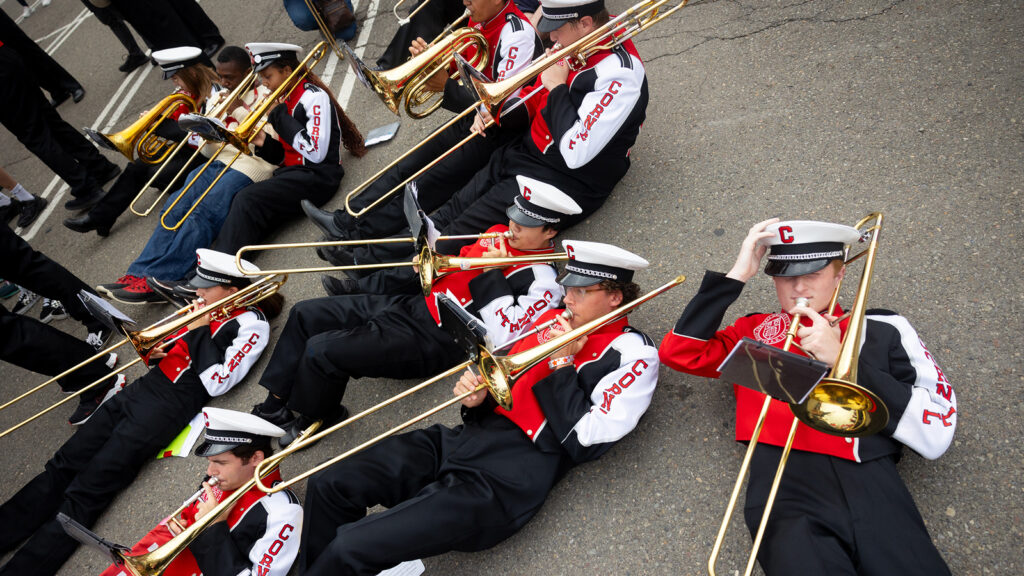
(496, 250)
(749, 259)
(555, 76)
(418, 45)
(481, 121)
(415, 262)
(820, 340)
(204, 507)
(203, 320)
(570, 349)
(467, 383)
(259, 138)
(156, 354)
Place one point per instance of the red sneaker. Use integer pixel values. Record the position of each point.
(138, 292)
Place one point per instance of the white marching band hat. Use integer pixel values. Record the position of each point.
(591, 262)
(173, 59)
(217, 268)
(228, 429)
(799, 247)
(263, 53)
(539, 203)
(557, 12)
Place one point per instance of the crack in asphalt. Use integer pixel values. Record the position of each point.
(746, 16)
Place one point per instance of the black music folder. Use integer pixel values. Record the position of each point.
(782, 375)
(91, 540)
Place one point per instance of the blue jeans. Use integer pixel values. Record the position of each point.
(304, 20)
(171, 255)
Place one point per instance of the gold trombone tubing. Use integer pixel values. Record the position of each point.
(865, 413)
(617, 30)
(498, 373)
(219, 110)
(154, 335)
(246, 131)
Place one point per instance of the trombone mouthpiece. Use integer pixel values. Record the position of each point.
(802, 301)
(213, 481)
(567, 314)
(506, 234)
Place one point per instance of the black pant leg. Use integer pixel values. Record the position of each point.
(427, 24)
(197, 21)
(476, 216)
(134, 177)
(403, 342)
(390, 281)
(73, 142)
(32, 269)
(30, 344)
(25, 112)
(261, 207)
(39, 500)
(157, 23)
(41, 68)
(386, 474)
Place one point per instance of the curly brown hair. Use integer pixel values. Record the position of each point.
(630, 290)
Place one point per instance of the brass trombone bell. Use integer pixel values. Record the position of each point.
(499, 373)
(140, 140)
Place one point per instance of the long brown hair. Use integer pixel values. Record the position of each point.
(351, 138)
(198, 79)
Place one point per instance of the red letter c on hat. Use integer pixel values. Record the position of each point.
(786, 234)
(527, 193)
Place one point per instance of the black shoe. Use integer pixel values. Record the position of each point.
(213, 47)
(281, 416)
(109, 173)
(30, 210)
(339, 286)
(337, 255)
(80, 203)
(89, 403)
(302, 423)
(166, 291)
(52, 310)
(132, 62)
(185, 290)
(77, 94)
(58, 99)
(86, 223)
(323, 219)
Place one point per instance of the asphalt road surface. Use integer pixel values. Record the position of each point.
(822, 109)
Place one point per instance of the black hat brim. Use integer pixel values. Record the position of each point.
(519, 217)
(198, 281)
(789, 268)
(208, 448)
(574, 280)
(547, 25)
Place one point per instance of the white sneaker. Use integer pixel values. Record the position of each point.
(26, 301)
(26, 12)
(46, 2)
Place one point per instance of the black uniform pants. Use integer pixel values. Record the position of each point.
(112, 19)
(261, 207)
(40, 348)
(134, 177)
(463, 489)
(435, 186)
(328, 340)
(427, 24)
(159, 23)
(31, 269)
(40, 68)
(92, 467)
(837, 517)
(39, 127)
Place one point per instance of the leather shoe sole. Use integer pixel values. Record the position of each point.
(85, 224)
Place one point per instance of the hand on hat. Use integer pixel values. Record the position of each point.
(467, 383)
(748, 262)
(820, 340)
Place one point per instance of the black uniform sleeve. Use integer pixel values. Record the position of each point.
(272, 151)
(705, 312)
(286, 125)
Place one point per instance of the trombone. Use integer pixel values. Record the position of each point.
(837, 405)
(241, 136)
(153, 336)
(140, 140)
(499, 373)
(220, 109)
(404, 21)
(431, 265)
(408, 81)
(623, 27)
